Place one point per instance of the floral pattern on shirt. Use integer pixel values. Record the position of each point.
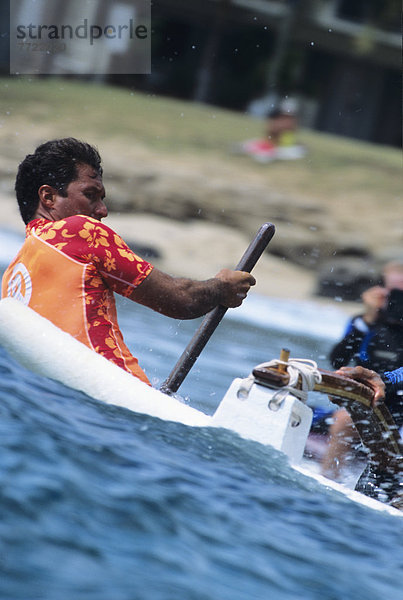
(110, 266)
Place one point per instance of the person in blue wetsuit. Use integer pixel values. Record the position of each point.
(373, 340)
(394, 394)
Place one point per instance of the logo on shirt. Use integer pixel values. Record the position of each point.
(20, 284)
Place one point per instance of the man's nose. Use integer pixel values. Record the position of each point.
(101, 210)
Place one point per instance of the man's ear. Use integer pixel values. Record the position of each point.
(47, 196)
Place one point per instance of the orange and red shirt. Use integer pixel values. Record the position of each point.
(67, 271)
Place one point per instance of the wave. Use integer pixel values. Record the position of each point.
(303, 317)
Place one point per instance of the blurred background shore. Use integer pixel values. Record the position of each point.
(241, 113)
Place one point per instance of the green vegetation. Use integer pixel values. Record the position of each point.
(96, 112)
(117, 112)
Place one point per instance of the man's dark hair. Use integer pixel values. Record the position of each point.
(53, 163)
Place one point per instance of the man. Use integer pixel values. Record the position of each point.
(70, 264)
(374, 340)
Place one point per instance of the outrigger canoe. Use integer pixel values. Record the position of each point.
(268, 407)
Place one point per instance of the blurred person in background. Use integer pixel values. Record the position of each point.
(280, 142)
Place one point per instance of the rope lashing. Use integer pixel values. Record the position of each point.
(298, 368)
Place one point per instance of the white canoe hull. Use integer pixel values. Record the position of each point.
(45, 349)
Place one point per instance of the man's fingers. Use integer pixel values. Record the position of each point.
(252, 280)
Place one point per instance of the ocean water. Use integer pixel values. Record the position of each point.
(100, 503)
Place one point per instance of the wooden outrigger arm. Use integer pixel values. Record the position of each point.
(375, 426)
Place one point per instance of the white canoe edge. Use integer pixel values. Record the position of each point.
(351, 494)
(42, 347)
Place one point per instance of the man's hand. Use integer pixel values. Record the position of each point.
(369, 378)
(236, 286)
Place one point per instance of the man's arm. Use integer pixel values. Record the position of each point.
(177, 297)
(394, 394)
(395, 380)
(182, 298)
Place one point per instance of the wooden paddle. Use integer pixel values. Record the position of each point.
(213, 318)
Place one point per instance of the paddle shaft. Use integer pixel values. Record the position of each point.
(213, 318)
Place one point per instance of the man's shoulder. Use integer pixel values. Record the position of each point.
(77, 223)
(75, 227)
(80, 219)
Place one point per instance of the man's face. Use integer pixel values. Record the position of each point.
(85, 196)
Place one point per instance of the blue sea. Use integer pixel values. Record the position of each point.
(100, 503)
